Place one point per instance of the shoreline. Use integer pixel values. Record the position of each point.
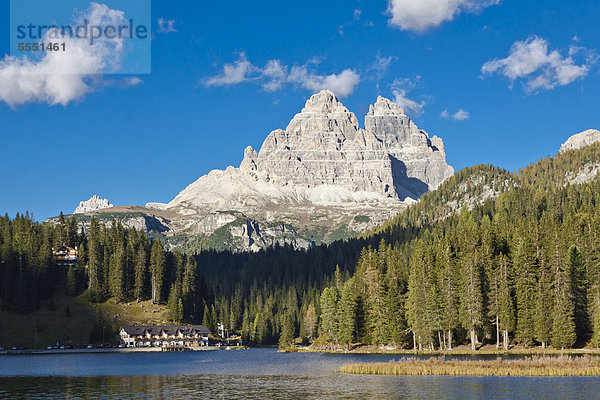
(123, 350)
(517, 351)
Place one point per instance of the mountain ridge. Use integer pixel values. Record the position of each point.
(320, 179)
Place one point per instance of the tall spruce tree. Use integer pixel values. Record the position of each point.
(579, 289)
(347, 314)
(157, 270)
(526, 268)
(543, 309)
(563, 328)
(329, 315)
(506, 309)
(471, 301)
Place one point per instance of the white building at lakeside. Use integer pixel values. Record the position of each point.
(164, 335)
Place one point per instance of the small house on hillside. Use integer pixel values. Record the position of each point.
(164, 335)
(66, 255)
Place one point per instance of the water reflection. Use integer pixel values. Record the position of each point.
(254, 374)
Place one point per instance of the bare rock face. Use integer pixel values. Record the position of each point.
(95, 203)
(323, 157)
(320, 179)
(581, 140)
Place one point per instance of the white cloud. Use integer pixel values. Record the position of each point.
(232, 73)
(121, 83)
(460, 115)
(342, 84)
(274, 75)
(60, 77)
(380, 66)
(422, 15)
(541, 68)
(355, 18)
(133, 81)
(166, 25)
(400, 90)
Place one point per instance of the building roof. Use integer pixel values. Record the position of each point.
(138, 330)
(64, 250)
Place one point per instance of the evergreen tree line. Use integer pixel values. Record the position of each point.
(114, 262)
(522, 269)
(124, 264)
(27, 265)
(257, 295)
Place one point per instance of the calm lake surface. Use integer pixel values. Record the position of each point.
(253, 374)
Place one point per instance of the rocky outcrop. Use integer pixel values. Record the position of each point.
(580, 140)
(95, 203)
(321, 178)
(323, 157)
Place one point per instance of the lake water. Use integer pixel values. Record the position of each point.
(253, 374)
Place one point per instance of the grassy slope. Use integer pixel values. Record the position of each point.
(18, 329)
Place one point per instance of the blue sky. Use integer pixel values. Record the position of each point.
(524, 74)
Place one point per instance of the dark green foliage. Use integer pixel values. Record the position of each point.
(563, 328)
(287, 331)
(452, 263)
(498, 268)
(329, 314)
(157, 271)
(579, 292)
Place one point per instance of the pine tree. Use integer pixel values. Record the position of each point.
(347, 314)
(141, 273)
(506, 309)
(471, 301)
(117, 267)
(96, 254)
(526, 265)
(579, 289)
(310, 322)
(417, 292)
(287, 331)
(174, 304)
(564, 332)
(71, 281)
(329, 319)
(157, 271)
(396, 281)
(449, 292)
(206, 317)
(543, 310)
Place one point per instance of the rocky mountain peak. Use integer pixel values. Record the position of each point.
(324, 157)
(320, 178)
(250, 158)
(95, 203)
(385, 107)
(323, 112)
(581, 140)
(324, 102)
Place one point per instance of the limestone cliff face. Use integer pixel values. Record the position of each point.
(320, 179)
(323, 157)
(93, 204)
(580, 140)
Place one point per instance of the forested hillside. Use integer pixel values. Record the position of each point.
(489, 256)
(252, 293)
(523, 267)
